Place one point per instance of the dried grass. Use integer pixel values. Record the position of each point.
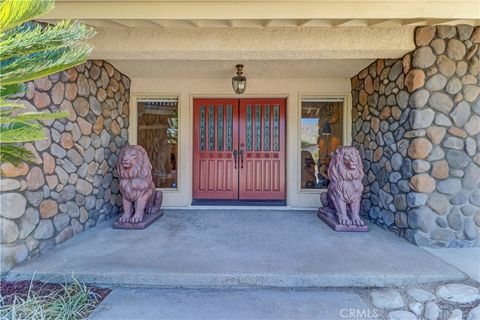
(71, 301)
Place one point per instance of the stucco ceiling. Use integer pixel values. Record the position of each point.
(276, 69)
(263, 13)
(265, 23)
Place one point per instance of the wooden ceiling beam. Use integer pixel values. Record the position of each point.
(383, 22)
(267, 23)
(157, 23)
(305, 23)
(123, 23)
(414, 22)
(350, 23)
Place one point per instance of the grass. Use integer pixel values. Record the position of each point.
(70, 301)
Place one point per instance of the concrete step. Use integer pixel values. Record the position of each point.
(240, 280)
(235, 248)
(136, 303)
(174, 280)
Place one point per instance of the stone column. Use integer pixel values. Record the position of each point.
(417, 125)
(72, 184)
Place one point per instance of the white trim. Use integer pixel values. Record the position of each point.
(132, 129)
(346, 129)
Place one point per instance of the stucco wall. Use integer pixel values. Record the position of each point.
(292, 89)
(72, 184)
(244, 44)
(416, 122)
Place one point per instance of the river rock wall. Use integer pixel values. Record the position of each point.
(416, 122)
(72, 183)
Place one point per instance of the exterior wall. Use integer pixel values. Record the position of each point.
(72, 184)
(416, 122)
(292, 89)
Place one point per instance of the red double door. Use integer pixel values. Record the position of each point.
(239, 149)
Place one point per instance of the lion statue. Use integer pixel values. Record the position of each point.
(344, 192)
(136, 185)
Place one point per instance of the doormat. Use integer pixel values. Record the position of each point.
(328, 216)
(249, 203)
(148, 219)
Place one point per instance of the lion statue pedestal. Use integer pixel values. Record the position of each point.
(141, 201)
(341, 202)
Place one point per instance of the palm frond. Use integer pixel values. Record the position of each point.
(29, 116)
(14, 154)
(32, 37)
(12, 89)
(16, 132)
(8, 105)
(16, 12)
(29, 51)
(38, 65)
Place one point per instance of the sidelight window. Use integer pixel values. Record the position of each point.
(158, 134)
(321, 125)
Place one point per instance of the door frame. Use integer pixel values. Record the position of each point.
(285, 96)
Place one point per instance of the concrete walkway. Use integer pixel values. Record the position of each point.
(239, 248)
(465, 259)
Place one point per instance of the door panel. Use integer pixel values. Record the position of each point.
(262, 149)
(215, 171)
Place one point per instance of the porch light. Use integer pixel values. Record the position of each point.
(239, 82)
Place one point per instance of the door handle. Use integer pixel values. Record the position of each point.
(235, 154)
(241, 158)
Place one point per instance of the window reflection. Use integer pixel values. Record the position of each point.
(321, 134)
(158, 134)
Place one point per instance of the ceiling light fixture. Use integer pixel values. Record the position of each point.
(239, 82)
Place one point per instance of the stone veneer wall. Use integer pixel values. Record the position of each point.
(416, 122)
(72, 184)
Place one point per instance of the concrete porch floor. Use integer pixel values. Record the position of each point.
(238, 248)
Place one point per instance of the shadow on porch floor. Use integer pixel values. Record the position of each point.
(238, 248)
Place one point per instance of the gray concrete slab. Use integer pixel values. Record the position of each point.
(234, 248)
(464, 259)
(127, 303)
